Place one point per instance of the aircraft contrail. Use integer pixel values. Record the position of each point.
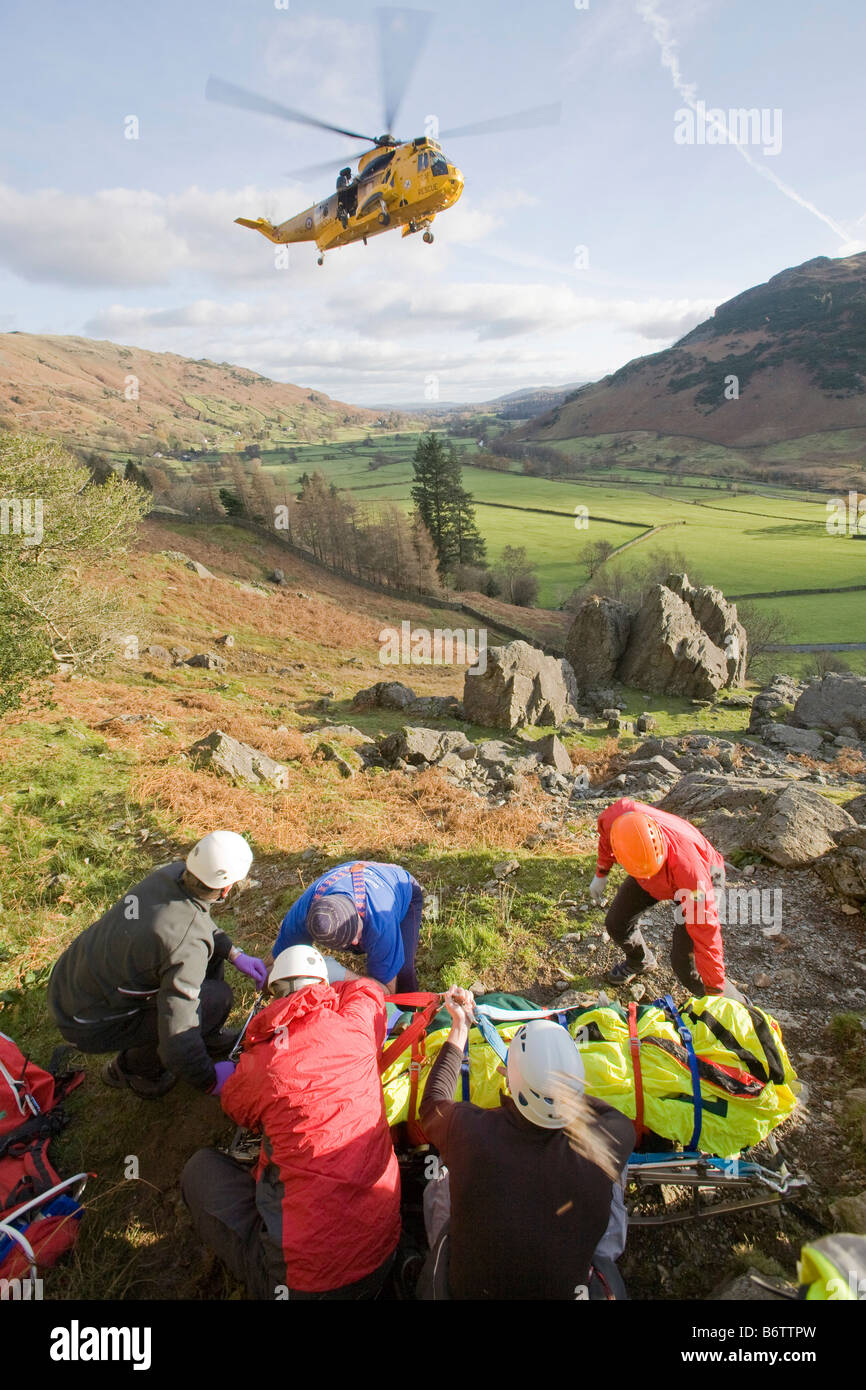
(660, 29)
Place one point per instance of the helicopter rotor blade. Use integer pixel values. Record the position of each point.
(402, 35)
(230, 95)
(327, 166)
(518, 120)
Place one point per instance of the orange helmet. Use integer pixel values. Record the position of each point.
(637, 844)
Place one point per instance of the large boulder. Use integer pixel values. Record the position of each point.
(384, 695)
(520, 686)
(671, 652)
(225, 755)
(418, 746)
(836, 702)
(597, 639)
(699, 793)
(799, 826)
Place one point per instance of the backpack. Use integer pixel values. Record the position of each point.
(38, 1215)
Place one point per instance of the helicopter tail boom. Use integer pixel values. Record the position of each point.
(298, 228)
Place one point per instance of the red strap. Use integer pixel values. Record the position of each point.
(413, 1128)
(416, 1028)
(634, 1044)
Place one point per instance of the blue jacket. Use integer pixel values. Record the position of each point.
(388, 893)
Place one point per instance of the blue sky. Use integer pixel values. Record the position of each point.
(134, 240)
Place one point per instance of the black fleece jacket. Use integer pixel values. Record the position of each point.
(149, 951)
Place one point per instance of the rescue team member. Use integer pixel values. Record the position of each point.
(666, 858)
(364, 908)
(529, 1200)
(320, 1219)
(148, 976)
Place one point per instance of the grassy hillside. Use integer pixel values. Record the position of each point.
(797, 348)
(116, 399)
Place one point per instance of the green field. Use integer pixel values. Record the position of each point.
(755, 539)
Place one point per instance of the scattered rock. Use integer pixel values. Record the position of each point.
(645, 723)
(278, 577)
(159, 656)
(506, 868)
(239, 761)
(180, 655)
(552, 752)
(226, 640)
(200, 570)
(209, 660)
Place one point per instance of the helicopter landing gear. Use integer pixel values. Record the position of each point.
(321, 259)
(384, 219)
(429, 238)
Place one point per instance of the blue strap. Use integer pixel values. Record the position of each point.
(490, 1036)
(670, 1007)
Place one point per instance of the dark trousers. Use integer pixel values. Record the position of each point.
(410, 927)
(622, 927)
(136, 1037)
(221, 1196)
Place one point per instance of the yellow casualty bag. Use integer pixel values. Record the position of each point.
(745, 1085)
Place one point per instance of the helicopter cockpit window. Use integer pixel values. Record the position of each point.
(377, 165)
(423, 161)
(439, 165)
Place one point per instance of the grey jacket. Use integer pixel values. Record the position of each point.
(150, 951)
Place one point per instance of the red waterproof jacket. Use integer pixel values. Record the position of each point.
(690, 864)
(328, 1185)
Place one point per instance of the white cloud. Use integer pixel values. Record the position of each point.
(129, 237)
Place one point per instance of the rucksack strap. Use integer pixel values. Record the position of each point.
(359, 889)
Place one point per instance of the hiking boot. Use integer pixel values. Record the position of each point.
(623, 973)
(148, 1088)
(220, 1044)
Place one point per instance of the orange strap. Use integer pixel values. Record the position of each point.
(416, 1029)
(634, 1044)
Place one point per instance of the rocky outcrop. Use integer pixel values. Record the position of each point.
(597, 640)
(223, 754)
(520, 686)
(837, 702)
(684, 640)
(494, 768)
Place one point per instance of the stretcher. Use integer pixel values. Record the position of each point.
(704, 1086)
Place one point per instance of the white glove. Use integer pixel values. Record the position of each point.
(597, 890)
(336, 971)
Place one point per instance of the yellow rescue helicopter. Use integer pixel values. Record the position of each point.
(399, 183)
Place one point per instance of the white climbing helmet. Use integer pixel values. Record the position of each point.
(301, 965)
(220, 859)
(545, 1070)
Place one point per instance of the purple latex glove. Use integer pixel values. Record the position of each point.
(253, 967)
(223, 1071)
